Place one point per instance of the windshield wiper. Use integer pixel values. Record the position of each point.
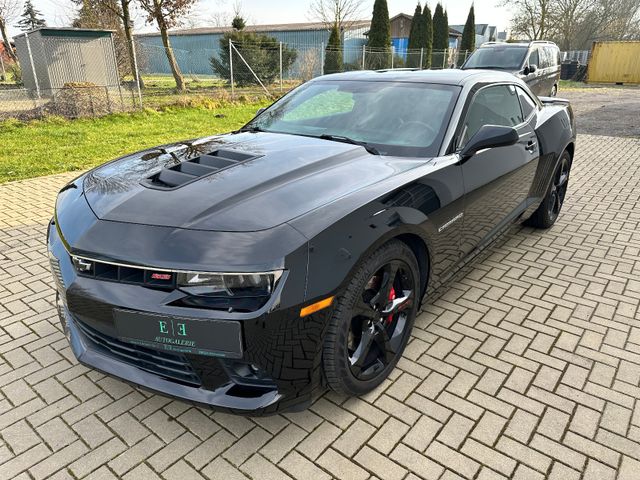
(341, 138)
(249, 129)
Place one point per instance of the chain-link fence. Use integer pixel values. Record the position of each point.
(273, 68)
(73, 100)
(224, 71)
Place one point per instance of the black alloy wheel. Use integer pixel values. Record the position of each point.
(559, 188)
(549, 210)
(379, 320)
(372, 321)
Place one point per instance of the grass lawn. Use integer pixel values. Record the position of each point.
(44, 147)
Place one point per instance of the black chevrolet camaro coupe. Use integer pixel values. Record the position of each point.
(251, 271)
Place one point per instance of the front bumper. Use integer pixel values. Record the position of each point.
(279, 368)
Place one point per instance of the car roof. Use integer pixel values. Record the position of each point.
(445, 77)
(542, 43)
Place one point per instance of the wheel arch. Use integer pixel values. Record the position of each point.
(419, 248)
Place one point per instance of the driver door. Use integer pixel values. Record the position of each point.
(496, 180)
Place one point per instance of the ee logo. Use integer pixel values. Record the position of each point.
(182, 328)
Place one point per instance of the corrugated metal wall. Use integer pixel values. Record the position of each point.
(614, 62)
(39, 61)
(80, 60)
(193, 52)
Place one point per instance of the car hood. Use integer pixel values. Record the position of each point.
(284, 177)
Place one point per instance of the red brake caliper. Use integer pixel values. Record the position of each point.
(392, 297)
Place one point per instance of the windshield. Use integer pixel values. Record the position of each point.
(503, 58)
(394, 118)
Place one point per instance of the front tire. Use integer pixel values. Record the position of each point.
(547, 213)
(372, 320)
(554, 91)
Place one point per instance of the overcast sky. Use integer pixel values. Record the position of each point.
(59, 12)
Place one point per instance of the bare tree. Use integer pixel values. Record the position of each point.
(167, 14)
(122, 10)
(221, 18)
(9, 10)
(575, 24)
(336, 12)
(531, 18)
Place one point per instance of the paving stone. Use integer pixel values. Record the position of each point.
(526, 366)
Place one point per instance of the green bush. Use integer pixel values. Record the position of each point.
(15, 72)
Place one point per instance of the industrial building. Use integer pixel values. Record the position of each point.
(194, 47)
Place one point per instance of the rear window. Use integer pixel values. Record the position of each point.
(498, 57)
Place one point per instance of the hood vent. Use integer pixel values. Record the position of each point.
(196, 168)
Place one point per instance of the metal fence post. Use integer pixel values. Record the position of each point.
(393, 54)
(444, 57)
(137, 72)
(364, 51)
(115, 65)
(231, 67)
(281, 66)
(322, 59)
(421, 57)
(33, 69)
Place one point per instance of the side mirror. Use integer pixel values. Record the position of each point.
(532, 68)
(489, 136)
(260, 110)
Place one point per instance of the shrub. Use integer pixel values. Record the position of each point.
(260, 51)
(15, 72)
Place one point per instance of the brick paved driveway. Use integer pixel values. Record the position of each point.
(527, 367)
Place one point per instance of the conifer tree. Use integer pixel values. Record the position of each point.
(416, 38)
(379, 44)
(333, 53)
(469, 32)
(427, 22)
(440, 29)
(30, 18)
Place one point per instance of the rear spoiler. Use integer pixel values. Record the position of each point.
(553, 101)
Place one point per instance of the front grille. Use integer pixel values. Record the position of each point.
(170, 366)
(124, 274)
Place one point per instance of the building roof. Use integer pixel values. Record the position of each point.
(278, 27)
(405, 15)
(61, 31)
(481, 28)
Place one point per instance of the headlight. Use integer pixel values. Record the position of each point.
(246, 284)
(239, 292)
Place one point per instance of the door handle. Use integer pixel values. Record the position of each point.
(531, 146)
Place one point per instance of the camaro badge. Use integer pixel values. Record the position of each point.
(161, 276)
(454, 219)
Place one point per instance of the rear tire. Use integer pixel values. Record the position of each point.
(372, 320)
(554, 90)
(549, 210)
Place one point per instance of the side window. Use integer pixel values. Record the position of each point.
(497, 105)
(527, 104)
(533, 58)
(543, 58)
(553, 54)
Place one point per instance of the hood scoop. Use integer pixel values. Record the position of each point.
(196, 168)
